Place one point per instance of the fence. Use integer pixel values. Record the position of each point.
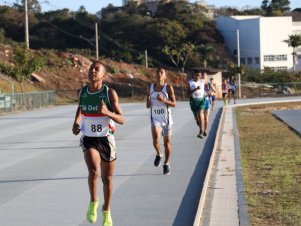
(26, 101)
(251, 89)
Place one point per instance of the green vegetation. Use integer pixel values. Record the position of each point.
(269, 76)
(294, 41)
(275, 7)
(271, 160)
(179, 55)
(124, 33)
(177, 35)
(25, 63)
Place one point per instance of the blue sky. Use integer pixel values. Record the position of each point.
(94, 6)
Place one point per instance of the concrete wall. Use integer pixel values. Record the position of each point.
(249, 38)
(273, 32)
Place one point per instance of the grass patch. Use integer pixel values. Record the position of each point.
(271, 161)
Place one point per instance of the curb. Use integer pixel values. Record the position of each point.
(197, 219)
(242, 208)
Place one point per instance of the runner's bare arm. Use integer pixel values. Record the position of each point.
(117, 114)
(172, 98)
(148, 99)
(77, 119)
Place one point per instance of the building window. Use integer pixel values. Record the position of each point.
(257, 60)
(275, 57)
(242, 60)
(250, 60)
(279, 68)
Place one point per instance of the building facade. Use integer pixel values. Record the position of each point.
(259, 41)
(124, 2)
(209, 9)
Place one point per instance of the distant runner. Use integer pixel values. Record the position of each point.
(232, 89)
(159, 99)
(225, 90)
(197, 103)
(212, 92)
(207, 96)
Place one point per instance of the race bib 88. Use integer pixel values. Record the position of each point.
(96, 127)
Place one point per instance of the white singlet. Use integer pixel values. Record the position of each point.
(160, 112)
(199, 93)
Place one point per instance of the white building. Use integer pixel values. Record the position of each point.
(261, 40)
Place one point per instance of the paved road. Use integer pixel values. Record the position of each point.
(43, 175)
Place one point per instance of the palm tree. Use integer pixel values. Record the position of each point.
(205, 53)
(294, 41)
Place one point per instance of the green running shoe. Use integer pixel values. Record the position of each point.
(107, 219)
(92, 212)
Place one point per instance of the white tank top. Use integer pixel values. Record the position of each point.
(200, 92)
(160, 112)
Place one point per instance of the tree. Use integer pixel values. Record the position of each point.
(25, 64)
(275, 7)
(32, 5)
(294, 41)
(179, 55)
(205, 52)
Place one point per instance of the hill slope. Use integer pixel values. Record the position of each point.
(66, 72)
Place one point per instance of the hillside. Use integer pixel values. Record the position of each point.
(66, 72)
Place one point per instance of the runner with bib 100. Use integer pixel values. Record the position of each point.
(159, 99)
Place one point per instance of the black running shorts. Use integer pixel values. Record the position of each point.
(104, 145)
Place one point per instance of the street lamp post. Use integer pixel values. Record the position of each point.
(238, 63)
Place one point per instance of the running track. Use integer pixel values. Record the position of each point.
(43, 175)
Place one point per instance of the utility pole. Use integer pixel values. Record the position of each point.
(238, 62)
(96, 40)
(26, 25)
(146, 60)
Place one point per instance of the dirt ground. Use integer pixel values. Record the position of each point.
(66, 73)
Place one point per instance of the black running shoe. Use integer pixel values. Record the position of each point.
(204, 134)
(166, 169)
(157, 160)
(199, 136)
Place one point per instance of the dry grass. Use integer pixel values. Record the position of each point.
(271, 161)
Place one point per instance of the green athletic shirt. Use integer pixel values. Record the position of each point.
(94, 124)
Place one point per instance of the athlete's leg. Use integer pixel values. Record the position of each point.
(234, 96)
(201, 121)
(197, 120)
(225, 99)
(229, 95)
(107, 170)
(206, 117)
(92, 159)
(212, 102)
(156, 139)
(194, 110)
(167, 146)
